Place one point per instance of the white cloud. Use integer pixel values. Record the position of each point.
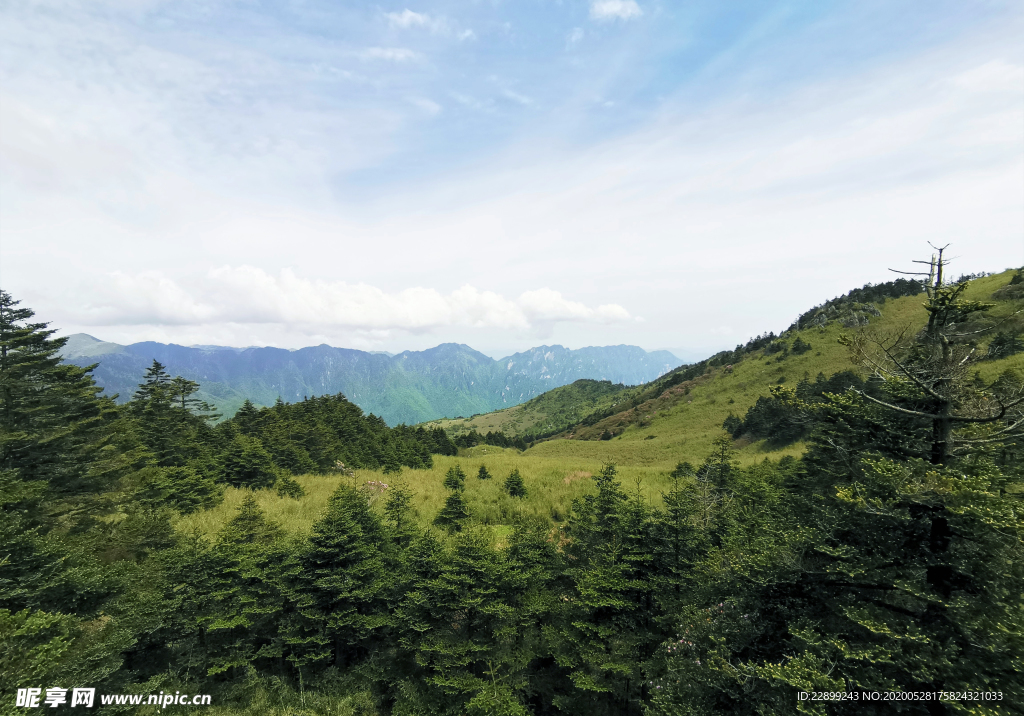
(437, 25)
(575, 37)
(394, 54)
(743, 209)
(248, 295)
(614, 10)
(408, 18)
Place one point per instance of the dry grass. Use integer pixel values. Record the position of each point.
(575, 475)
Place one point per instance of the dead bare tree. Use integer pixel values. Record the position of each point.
(933, 369)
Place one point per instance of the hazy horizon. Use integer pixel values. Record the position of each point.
(493, 355)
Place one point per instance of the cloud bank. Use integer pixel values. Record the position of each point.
(249, 295)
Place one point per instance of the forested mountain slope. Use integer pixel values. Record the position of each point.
(837, 533)
(686, 408)
(413, 386)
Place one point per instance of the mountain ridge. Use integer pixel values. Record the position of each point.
(447, 380)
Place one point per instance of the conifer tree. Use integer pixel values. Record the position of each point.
(246, 463)
(246, 594)
(63, 449)
(454, 512)
(483, 474)
(675, 533)
(288, 486)
(398, 514)
(337, 589)
(884, 562)
(391, 462)
(593, 640)
(455, 478)
(462, 630)
(54, 425)
(926, 375)
(181, 488)
(514, 484)
(247, 418)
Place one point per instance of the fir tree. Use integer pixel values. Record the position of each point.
(54, 426)
(514, 484)
(181, 488)
(398, 514)
(462, 629)
(455, 478)
(63, 450)
(245, 463)
(482, 473)
(336, 588)
(287, 486)
(676, 540)
(594, 639)
(454, 512)
(247, 600)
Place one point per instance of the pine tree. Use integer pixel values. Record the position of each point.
(482, 473)
(926, 375)
(455, 478)
(247, 600)
(336, 587)
(245, 463)
(461, 629)
(181, 488)
(454, 512)
(514, 484)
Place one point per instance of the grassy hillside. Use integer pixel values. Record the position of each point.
(548, 413)
(682, 420)
(658, 425)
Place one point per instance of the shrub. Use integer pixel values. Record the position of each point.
(288, 487)
(800, 346)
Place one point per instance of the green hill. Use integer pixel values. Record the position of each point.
(548, 413)
(654, 426)
(678, 415)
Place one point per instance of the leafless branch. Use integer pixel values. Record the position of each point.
(890, 406)
(989, 328)
(950, 418)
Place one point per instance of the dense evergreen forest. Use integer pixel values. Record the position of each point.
(888, 558)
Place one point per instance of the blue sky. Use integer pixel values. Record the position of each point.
(391, 176)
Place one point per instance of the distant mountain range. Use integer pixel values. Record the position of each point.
(415, 386)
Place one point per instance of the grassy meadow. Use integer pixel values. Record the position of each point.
(653, 437)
